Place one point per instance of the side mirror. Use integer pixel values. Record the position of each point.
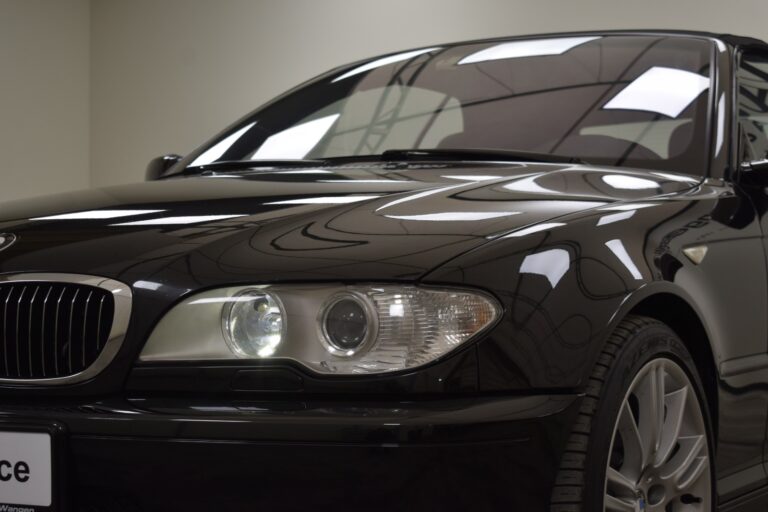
(158, 166)
(756, 166)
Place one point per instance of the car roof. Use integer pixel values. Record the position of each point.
(729, 39)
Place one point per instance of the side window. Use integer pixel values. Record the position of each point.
(753, 105)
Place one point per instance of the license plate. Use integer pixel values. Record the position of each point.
(26, 470)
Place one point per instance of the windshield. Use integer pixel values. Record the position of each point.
(639, 101)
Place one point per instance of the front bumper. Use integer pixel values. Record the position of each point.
(476, 454)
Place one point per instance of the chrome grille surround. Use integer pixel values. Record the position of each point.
(123, 300)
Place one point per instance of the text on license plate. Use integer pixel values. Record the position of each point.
(25, 469)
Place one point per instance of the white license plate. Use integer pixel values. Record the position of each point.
(25, 469)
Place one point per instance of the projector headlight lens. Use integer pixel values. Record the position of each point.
(253, 323)
(347, 323)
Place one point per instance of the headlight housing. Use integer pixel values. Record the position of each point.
(336, 330)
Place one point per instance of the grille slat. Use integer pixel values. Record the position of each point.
(18, 324)
(5, 330)
(70, 341)
(41, 340)
(85, 324)
(56, 333)
(29, 328)
(42, 333)
(98, 325)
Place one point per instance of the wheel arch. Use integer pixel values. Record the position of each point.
(672, 307)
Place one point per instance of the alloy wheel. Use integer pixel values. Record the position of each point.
(659, 456)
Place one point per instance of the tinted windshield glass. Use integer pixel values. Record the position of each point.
(617, 100)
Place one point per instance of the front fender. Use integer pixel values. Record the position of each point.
(566, 284)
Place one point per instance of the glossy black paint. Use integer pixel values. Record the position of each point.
(498, 409)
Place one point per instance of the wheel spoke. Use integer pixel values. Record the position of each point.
(620, 484)
(618, 505)
(633, 444)
(675, 407)
(651, 398)
(687, 464)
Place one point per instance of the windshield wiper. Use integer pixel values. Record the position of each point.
(487, 155)
(245, 165)
(390, 155)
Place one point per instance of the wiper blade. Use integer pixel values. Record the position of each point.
(460, 154)
(245, 165)
(389, 155)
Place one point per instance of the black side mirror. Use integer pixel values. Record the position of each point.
(158, 166)
(756, 166)
(754, 173)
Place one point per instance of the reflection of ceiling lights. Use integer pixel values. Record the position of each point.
(629, 182)
(383, 62)
(615, 217)
(326, 200)
(296, 141)
(214, 152)
(314, 171)
(630, 206)
(720, 124)
(454, 216)
(676, 177)
(531, 48)
(418, 195)
(661, 90)
(471, 177)
(97, 214)
(534, 229)
(528, 185)
(552, 264)
(189, 219)
(618, 249)
(354, 181)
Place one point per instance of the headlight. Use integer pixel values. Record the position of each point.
(337, 330)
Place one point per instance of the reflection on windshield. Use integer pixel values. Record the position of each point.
(215, 153)
(615, 100)
(392, 59)
(532, 48)
(661, 90)
(295, 142)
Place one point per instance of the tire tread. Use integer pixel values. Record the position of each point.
(568, 491)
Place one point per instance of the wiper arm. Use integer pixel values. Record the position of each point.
(461, 154)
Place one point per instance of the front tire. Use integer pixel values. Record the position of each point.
(642, 441)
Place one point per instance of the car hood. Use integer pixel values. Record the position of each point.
(357, 221)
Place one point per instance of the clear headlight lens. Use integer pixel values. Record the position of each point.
(253, 323)
(337, 330)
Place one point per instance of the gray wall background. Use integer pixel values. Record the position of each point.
(90, 90)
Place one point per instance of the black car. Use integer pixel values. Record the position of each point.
(519, 274)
